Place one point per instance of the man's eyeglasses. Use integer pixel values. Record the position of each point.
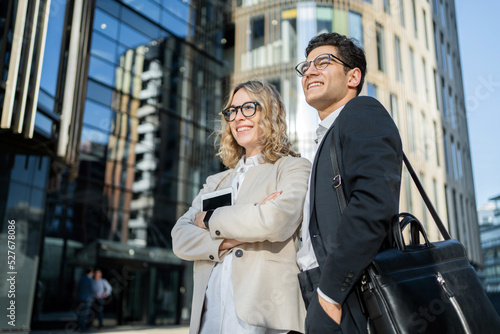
(248, 109)
(320, 62)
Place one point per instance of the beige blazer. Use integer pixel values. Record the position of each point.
(265, 284)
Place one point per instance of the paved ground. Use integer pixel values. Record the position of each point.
(126, 329)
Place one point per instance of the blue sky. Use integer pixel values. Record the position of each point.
(479, 37)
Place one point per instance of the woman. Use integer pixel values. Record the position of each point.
(245, 273)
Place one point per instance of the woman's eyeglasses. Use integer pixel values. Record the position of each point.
(248, 109)
(320, 62)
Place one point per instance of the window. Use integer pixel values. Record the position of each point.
(436, 9)
(450, 63)
(459, 162)
(379, 35)
(423, 206)
(401, 13)
(423, 134)
(425, 86)
(48, 78)
(257, 32)
(436, 89)
(415, 22)
(443, 13)
(445, 23)
(387, 6)
(324, 19)
(408, 183)
(394, 108)
(446, 155)
(454, 159)
(435, 191)
(436, 145)
(452, 108)
(426, 33)
(410, 127)
(413, 71)
(371, 90)
(356, 27)
(436, 41)
(443, 93)
(289, 35)
(397, 56)
(443, 53)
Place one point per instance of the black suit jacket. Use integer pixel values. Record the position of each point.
(370, 157)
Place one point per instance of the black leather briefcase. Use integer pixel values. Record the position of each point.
(425, 288)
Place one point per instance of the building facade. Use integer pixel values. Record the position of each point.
(413, 69)
(107, 113)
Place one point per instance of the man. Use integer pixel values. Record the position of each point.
(102, 290)
(337, 247)
(85, 296)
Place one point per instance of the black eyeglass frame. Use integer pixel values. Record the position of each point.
(301, 64)
(234, 112)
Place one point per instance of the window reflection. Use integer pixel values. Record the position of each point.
(92, 136)
(356, 27)
(102, 71)
(289, 34)
(99, 92)
(180, 8)
(150, 9)
(43, 123)
(105, 24)
(97, 115)
(173, 23)
(48, 80)
(103, 47)
(131, 38)
(324, 18)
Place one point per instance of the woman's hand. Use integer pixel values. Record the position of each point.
(272, 196)
(229, 243)
(198, 220)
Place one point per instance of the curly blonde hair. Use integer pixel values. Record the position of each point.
(274, 140)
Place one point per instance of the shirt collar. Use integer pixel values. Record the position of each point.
(326, 123)
(251, 161)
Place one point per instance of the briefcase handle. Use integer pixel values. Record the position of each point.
(416, 229)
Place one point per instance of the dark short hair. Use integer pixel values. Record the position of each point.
(347, 50)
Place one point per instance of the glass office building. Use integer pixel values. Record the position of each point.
(107, 113)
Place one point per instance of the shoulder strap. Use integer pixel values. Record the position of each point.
(337, 184)
(426, 199)
(337, 178)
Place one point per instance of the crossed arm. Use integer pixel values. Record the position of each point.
(230, 243)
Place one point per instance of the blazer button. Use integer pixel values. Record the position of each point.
(239, 253)
(217, 232)
(211, 257)
(345, 284)
(343, 289)
(348, 279)
(350, 274)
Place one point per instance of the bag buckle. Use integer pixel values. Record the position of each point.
(337, 181)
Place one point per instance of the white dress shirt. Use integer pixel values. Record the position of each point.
(219, 316)
(306, 259)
